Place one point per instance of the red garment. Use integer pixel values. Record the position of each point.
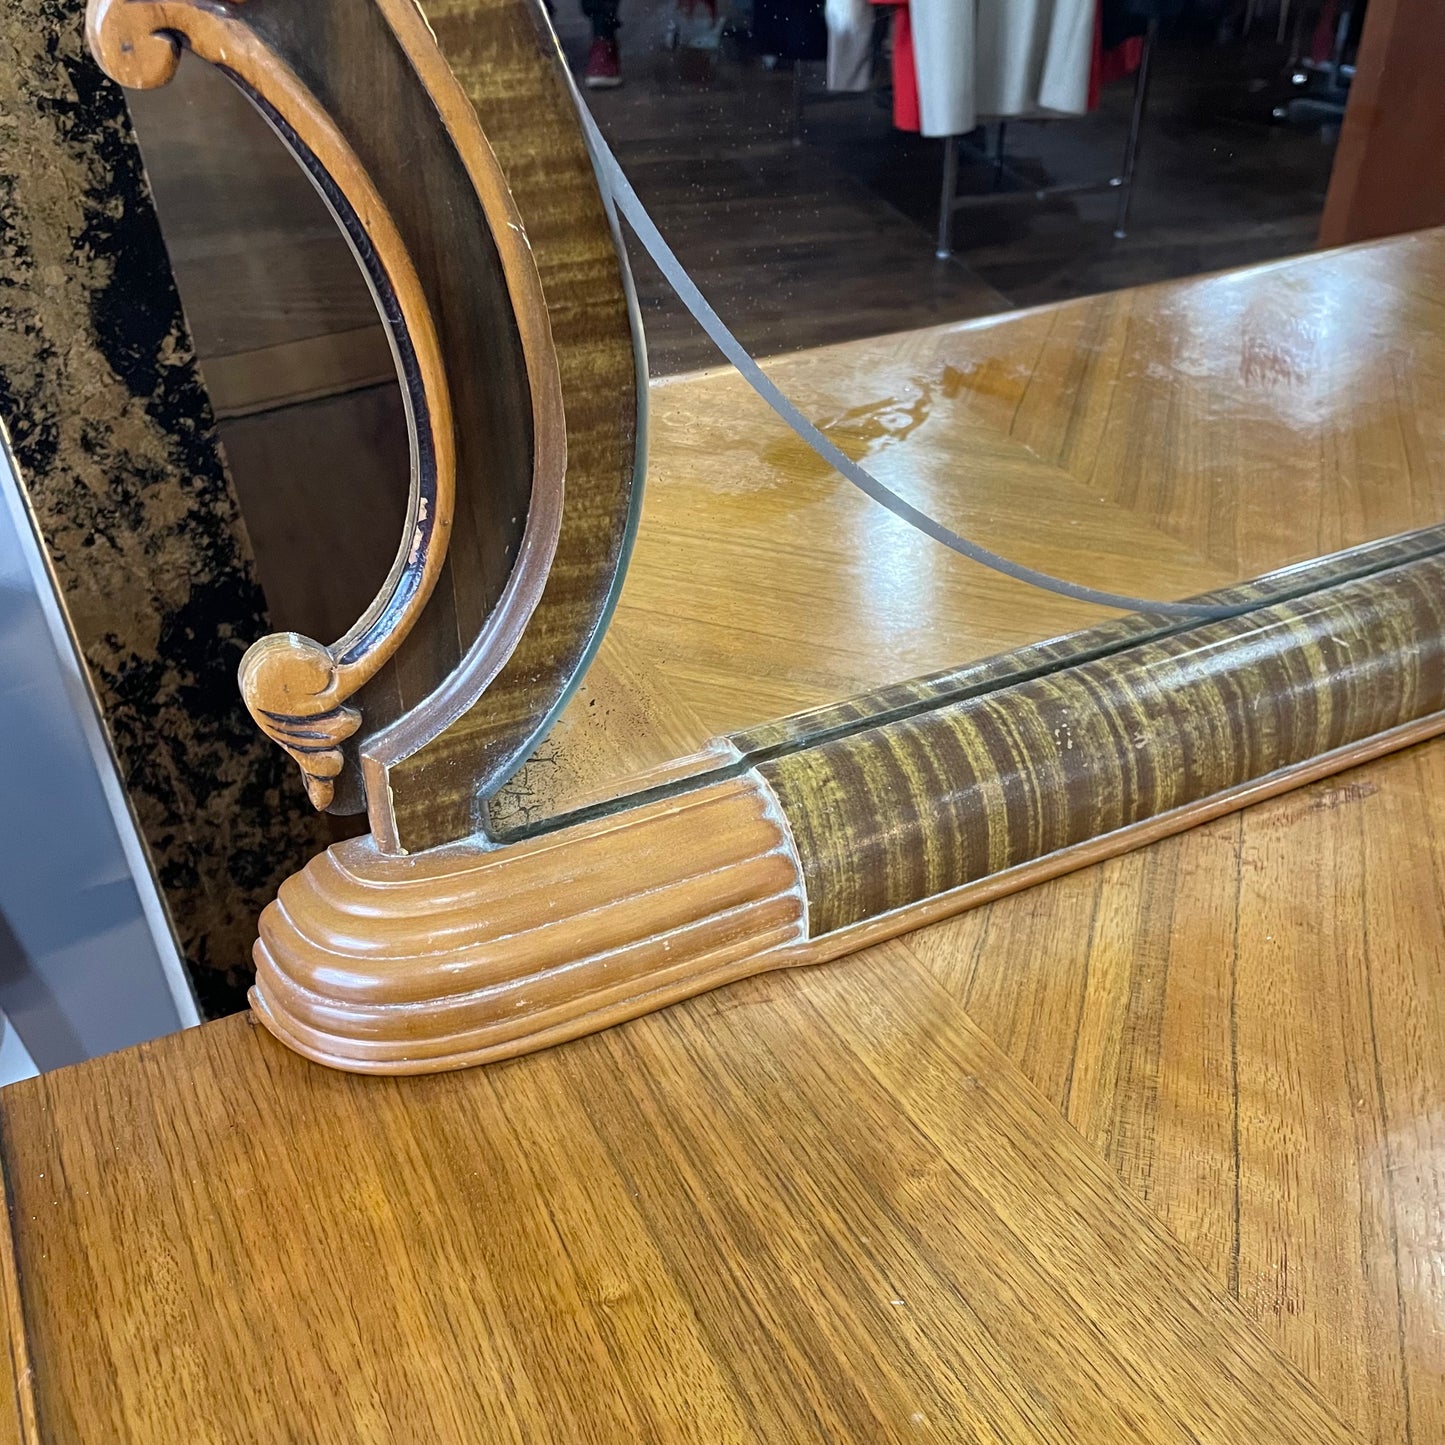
(1322, 42)
(1110, 65)
(907, 114)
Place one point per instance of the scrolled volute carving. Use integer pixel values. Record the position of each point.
(295, 688)
(292, 687)
(136, 41)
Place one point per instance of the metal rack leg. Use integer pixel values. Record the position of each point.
(1125, 181)
(946, 200)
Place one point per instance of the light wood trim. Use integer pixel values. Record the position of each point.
(295, 688)
(373, 969)
(393, 965)
(19, 1421)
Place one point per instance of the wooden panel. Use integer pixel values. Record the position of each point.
(261, 265)
(320, 569)
(720, 865)
(17, 1377)
(1389, 171)
(300, 371)
(769, 1219)
(504, 58)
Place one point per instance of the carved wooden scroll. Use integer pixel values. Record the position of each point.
(296, 689)
(475, 638)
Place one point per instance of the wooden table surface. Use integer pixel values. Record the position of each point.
(1152, 1152)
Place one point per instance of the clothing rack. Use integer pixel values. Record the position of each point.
(950, 202)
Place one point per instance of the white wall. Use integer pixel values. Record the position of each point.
(87, 960)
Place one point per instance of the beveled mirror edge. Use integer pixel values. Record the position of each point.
(767, 742)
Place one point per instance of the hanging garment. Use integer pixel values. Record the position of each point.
(994, 58)
(850, 44)
(905, 73)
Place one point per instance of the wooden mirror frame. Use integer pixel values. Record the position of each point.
(435, 944)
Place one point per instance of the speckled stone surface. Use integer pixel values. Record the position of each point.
(113, 436)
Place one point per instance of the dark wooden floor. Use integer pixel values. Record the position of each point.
(797, 244)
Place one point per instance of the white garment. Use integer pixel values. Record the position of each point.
(990, 58)
(850, 44)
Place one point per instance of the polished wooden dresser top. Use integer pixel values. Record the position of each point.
(1151, 1152)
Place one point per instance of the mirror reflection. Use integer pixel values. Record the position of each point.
(1049, 272)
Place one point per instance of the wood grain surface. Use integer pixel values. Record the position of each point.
(384, 132)
(464, 954)
(505, 60)
(851, 1218)
(1051, 1171)
(887, 815)
(397, 145)
(1245, 1021)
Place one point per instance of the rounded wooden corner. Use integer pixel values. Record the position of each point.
(381, 964)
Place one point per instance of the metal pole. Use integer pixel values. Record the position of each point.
(798, 94)
(946, 200)
(998, 155)
(1125, 180)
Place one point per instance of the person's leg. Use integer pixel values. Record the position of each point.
(603, 15)
(604, 63)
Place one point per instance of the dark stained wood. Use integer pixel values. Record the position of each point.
(319, 569)
(1389, 172)
(885, 816)
(265, 273)
(505, 59)
(387, 142)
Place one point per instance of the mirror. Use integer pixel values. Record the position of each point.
(1066, 386)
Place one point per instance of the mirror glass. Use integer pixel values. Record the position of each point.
(1050, 273)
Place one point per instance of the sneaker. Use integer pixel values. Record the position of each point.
(604, 66)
